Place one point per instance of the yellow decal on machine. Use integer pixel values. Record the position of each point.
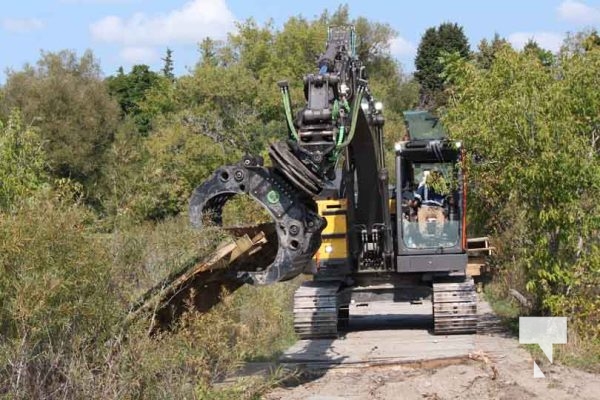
(334, 237)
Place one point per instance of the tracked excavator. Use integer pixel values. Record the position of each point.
(335, 213)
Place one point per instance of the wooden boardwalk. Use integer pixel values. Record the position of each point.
(384, 333)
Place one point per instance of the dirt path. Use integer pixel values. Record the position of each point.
(507, 376)
(491, 367)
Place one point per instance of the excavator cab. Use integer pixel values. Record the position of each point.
(430, 213)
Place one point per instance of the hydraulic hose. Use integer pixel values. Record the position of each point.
(288, 110)
(353, 122)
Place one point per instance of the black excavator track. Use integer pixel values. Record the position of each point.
(454, 307)
(316, 310)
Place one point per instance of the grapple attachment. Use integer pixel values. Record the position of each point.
(296, 223)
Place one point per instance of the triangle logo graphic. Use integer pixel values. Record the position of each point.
(537, 372)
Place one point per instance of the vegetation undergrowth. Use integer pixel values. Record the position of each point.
(577, 352)
(65, 289)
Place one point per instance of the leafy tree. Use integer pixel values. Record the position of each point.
(64, 97)
(130, 90)
(224, 104)
(22, 164)
(591, 41)
(580, 42)
(208, 52)
(545, 56)
(254, 46)
(446, 38)
(536, 131)
(180, 160)
(297, 47)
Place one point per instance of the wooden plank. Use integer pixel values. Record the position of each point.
(478, 239)
(161, 292)
(451, 297)
(474, 269)
(245, 244)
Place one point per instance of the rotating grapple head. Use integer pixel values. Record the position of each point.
(325, 126)
(298, 227)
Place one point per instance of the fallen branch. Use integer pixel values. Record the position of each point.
(520, 298)
(481, 356)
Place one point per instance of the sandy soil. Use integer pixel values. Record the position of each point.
(485, 376)
(496, 368)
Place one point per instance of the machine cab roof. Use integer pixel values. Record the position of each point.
(422, 125)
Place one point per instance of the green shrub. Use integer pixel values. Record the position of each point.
(534, 128)
(55, 296)
(65, 289)
(21, 161)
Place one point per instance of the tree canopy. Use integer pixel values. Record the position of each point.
(130, 90)
(535, 129)
(65, 98)
(436, 41)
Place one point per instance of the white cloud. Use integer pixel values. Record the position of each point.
(578, 12)
(402, 47)
(191, 23)
(546, 40)
(139, 55)
(23, 25)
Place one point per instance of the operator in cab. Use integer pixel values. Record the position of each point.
(430, 201)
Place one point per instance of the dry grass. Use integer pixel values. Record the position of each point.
(578, 352)
(65, 288)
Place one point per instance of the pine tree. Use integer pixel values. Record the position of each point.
(486, 53)
(167, 69)
(449, 38)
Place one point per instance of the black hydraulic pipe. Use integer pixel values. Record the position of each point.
(388, 244)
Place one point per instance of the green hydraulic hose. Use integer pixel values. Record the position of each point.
(353, 122)
(288, 113)
(340, 136)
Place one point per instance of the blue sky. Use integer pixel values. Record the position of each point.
(126, 32)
